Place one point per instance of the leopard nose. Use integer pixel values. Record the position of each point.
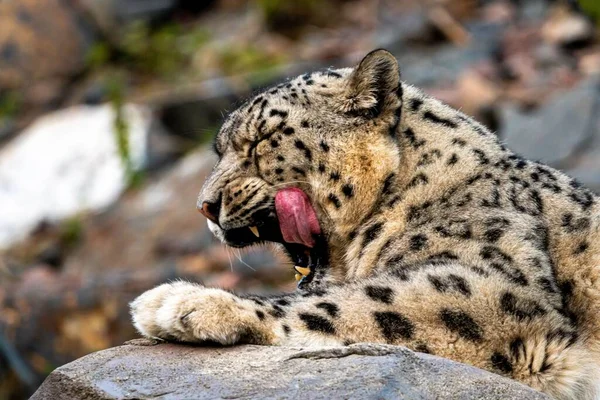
(210, 210)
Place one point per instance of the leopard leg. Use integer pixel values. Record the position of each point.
(483, 321)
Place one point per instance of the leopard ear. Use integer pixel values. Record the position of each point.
(372, 87)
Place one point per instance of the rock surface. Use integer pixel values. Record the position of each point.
(142, 370)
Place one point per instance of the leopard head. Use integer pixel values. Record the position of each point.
(303, 163)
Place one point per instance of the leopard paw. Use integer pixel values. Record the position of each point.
(189, 312)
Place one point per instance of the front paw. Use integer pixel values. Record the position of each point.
(188, 312)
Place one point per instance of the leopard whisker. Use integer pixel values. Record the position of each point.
(229, 256)
(239, 257)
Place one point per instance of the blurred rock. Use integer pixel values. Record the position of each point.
(357, 371)
(110, 15)
(532, 10)
(585, 166)
(431, 67)
(40, 40)
(6, 128)
(548, 55)
(500, 11)
(518, 44)
(64, 163)
(565, 27)
(589, 63)
(64, 290)
(195, 119)
(163, 148)
(560, 131)
(476, 93)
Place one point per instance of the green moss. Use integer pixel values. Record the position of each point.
(264, 77)
(116, 89)
(237, 60)
(164, 51)
(290, 17)
(98, 55)
(10, 104)
(273, 9)
(592, 8)
(71, 231)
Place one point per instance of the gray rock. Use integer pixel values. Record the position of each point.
(430, 67)
(557, 130)
(141, 370)
(40, 41)
(7, 127)
(111, 15)
(564, 132)
(108, 14)
(533, 10)
(585, 166)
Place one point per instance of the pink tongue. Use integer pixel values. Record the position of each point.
(297, 219)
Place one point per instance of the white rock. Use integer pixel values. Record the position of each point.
(65, 163)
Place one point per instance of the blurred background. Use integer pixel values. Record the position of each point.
(106, 107)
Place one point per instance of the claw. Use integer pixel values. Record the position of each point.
(304, 271)
(254, 230)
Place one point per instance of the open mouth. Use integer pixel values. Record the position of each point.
(293, 224)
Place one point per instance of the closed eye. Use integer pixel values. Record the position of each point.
(266, 136)
(215, 148)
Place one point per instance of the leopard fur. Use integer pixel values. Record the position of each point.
(439, 238)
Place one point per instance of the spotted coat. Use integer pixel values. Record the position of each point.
(439, 237)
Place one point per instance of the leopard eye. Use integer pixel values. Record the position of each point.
(215, 147)
(242, 145)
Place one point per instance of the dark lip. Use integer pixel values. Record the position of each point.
(268, 227)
